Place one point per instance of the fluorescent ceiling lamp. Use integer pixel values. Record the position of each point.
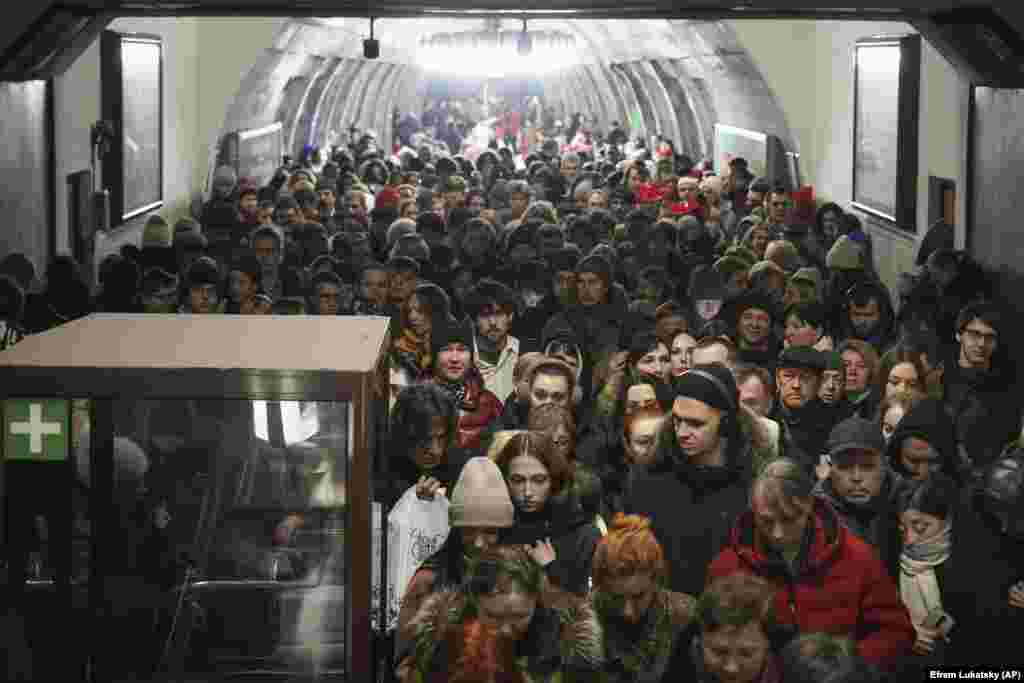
(494, 62)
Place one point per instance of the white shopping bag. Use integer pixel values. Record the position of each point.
(416, 529)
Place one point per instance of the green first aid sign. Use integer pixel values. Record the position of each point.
(36, 429)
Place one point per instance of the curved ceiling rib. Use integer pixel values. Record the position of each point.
(679, 77)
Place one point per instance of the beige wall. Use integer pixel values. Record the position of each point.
(77, 104)
(809, 66)
(230, 47)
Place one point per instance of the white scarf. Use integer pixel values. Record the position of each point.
(919, 587)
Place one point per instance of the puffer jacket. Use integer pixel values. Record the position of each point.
(840, 586)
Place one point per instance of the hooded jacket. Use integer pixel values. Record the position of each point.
(691, 507)
(929, 422)
(840, 586)
(561, 644)
(883, 336)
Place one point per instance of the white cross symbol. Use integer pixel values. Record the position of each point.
(36, 428)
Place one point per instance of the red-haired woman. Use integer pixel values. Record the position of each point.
(502, 625)
(641, 620)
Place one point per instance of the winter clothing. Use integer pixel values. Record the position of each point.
(156, 233)
(805, 430)
(927, 421)
(877, 521)
(480, 496)
(559, 645)
(572, 534)
(691, 507)
(478, 410)
(985, 412)
(845, 255)
(975, 583)
(642, 653)
(712, 385)
(839, 587)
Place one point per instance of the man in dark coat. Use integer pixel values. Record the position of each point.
(699, 482)
(862, 488)
(984, 586)
(804, 419)
(979, 385)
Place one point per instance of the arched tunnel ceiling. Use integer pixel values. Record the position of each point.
(676, 77)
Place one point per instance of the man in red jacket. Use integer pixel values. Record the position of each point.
(829, 580)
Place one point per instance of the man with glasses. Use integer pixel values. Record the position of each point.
(978, 385)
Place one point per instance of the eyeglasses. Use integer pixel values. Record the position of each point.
(976, 336)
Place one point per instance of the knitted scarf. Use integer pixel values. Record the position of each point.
(415, 347)
(919, 588)
(457, 390)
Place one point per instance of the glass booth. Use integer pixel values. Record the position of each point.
(189, 497)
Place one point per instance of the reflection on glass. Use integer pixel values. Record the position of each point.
(239, 506)
(877, 124)
(140, 63)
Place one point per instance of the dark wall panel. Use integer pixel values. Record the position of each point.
(24, 172)
(994, 236)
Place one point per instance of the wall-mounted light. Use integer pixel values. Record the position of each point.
(371, 46)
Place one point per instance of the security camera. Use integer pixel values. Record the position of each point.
(371, 48)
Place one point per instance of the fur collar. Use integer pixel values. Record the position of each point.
(577, 642)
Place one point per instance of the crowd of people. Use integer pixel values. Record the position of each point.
(686, 434)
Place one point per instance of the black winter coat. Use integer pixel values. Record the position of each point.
(692, 508)
(985, 415)
(975, 585)
(572, 534)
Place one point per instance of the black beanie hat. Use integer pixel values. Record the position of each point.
(705, 284)
(755, 299)
(428, 221)
(525, 234)
(203, 271)
(246, 262)
(595, 263)
(564, 259)
(711, 384)
(450, 332)
(533, 273)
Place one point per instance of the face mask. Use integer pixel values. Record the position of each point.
(708, 308)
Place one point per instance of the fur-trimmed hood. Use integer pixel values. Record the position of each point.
(559, 639)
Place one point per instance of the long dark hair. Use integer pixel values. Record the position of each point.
(412, 417)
